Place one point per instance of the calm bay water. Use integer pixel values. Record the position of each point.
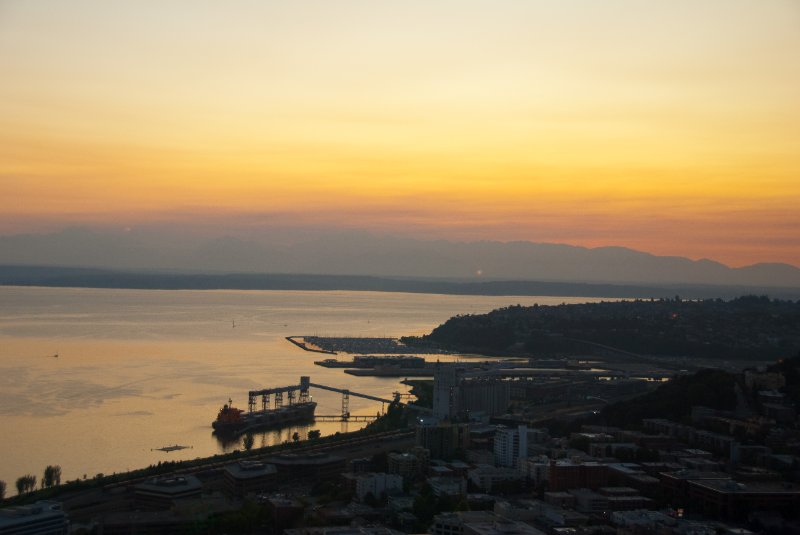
(143, 369)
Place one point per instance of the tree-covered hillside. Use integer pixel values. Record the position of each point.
(748, 327)
(674, 399)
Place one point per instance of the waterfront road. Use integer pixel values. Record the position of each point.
(84, 504)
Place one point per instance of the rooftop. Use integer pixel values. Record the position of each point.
(751, 487)
(171, 485)
(298, 459)
(691, 475)
(250, 469)
(22, 514)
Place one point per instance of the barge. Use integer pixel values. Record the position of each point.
(233, 421)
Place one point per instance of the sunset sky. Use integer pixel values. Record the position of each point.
(667, 126)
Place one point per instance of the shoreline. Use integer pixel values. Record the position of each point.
(80, 277)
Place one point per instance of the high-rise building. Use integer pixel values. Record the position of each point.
(489, 396)
(455, 396)
(445, 391)
(510, 445)
(443, 439)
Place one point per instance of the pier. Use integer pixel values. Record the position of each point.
(268, 398)
(359, 345)
(340, 418)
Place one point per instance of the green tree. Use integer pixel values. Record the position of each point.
(52, 476)
(26, 483)
(245, 520)
(314, 434)
(462, 505)
(424, 508)
(248, 441)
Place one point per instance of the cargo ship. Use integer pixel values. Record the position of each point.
(233, 421)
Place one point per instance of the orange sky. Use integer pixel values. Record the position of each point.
(670, 127)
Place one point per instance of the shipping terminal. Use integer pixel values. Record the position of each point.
(299, 408)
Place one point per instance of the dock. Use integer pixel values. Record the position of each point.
(361, 345)
(340, 418)
(298, 394)
(375, 361)
(390, 372)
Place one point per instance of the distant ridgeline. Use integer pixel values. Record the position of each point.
(55, 276)
(747, 327)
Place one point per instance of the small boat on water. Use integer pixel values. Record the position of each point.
(176, 447)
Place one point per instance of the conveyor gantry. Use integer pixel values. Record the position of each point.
(302, 388)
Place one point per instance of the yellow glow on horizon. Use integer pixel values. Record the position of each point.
(670, 128)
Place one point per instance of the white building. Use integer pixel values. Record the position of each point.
(377, 484)
(485, 477)
(537, 469)
(510, 445)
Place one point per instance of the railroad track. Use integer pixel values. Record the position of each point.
(304, 450)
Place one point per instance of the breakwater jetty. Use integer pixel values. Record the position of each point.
(359, 345)
(300, 341)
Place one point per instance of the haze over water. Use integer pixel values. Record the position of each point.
(143, 369)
